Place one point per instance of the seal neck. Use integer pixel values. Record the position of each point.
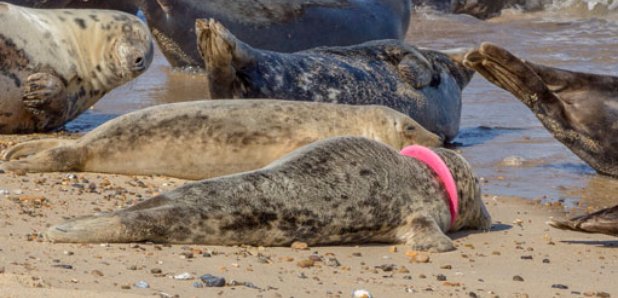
(436, 164)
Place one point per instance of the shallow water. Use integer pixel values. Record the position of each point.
(501, 138)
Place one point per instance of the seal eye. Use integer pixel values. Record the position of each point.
(139, 61)
(410, 128)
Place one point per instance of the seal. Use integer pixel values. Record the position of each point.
(579, 109)
(423, 84)
(341, 190)
(203, 139)
(604, 221)
(280, 25)
(60, 62)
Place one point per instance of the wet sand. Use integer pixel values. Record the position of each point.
(526, 174)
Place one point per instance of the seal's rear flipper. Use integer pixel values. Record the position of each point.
(57, 159)
(604, 221)
(223, 56)
(32, 147)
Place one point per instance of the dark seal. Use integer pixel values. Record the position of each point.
(280, 25)
(337, 191)
(426, 85)
(579, 109)
(604, 221)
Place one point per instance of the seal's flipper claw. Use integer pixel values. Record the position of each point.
(423, 233)
(604, 221)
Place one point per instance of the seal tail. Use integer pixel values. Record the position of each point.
(32, 147)
(223, 55)
(604, 221)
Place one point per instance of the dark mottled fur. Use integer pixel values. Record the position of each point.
(340, 190)
(604, 221)
(579, 109)
(424, 84)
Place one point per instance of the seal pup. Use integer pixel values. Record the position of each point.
(604, 221)
(341, 190)
(579, 109)
(423, 84)
(203, 139)
(60, 62)
(280, 25)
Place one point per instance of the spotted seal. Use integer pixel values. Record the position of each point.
(579, 109)
(203, 139)
(341, 190)
(424, 84)
(281, 25)
(60, 62)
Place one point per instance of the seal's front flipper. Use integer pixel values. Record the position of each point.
(44, 98)
(604, 221)
(223, 56)
(32, 147)
(423, 233)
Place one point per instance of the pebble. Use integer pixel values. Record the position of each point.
(332, 262)
(141, 285)
(197, 284)
(63, 266)
(299, 245)
(546, 261)
(96, 273)
(5, 192)
(447, 267)
(386, 267)
(441, 277)
(125, 286)
(183, 276)
(361, 293)
(518, 278)
(526, 257)
(156, 271)
(559, 286)
(513, 161)
(305, 263)
(212, 281)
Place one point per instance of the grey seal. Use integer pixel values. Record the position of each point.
(203, 139)
(579, 109)
(55, 64)
(423, 84)
(341, 190)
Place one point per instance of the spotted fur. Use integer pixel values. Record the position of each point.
(337, 191)
(203, 139)
(60, 62)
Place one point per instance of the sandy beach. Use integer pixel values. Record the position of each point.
(519, 257)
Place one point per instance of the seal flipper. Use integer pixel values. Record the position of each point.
(604, 221)
(423, 233)
(44, 99)
(57, 159)
(223, 56)
(32, 147)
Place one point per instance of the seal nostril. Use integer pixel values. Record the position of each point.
(139, 61)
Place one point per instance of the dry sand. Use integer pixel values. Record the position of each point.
(520, 257)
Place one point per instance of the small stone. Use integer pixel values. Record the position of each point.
(361, 293)
(302, 275)
(518, 278)
(156, 271)
(559, 286)
(357, 254)
(315, 257)
(305, 263)
(132, 267)
(63, 266)
(526, 257)
(603, 295)
(141, 285)
(212, 281)
(447, 267)
(441, 277)
(422, 276)
(206, 255)
(183, 276)
(386, 267)
(186, 255)
(403, 269)
(452, 284)
(197, 284)
(546, 261)
(96, 273)
(473, 295)
(332, 262)
(392, 249)
(421, 258)
(518, 222)
(513, 161)
(299, 245)
(68, 253)
(125, 286)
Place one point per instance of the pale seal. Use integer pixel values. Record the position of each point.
(341, 190)
(55, 64)
(203, 139)
(423, 84)
(604, 221)
(579, 109)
